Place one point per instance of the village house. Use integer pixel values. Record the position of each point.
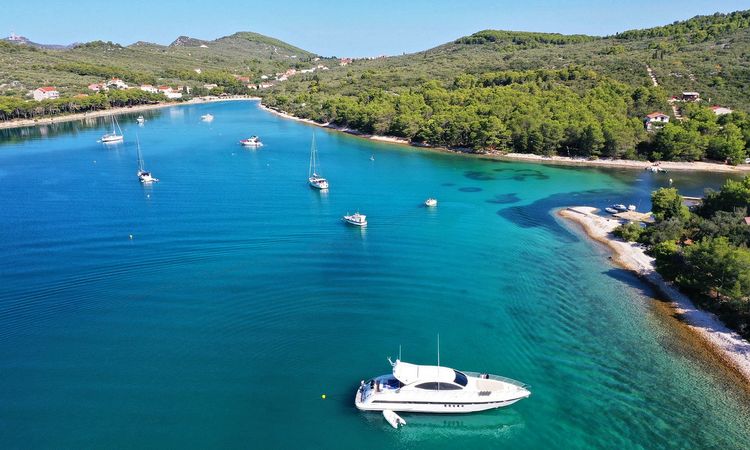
(45, 93)
(264, 77)
(149, 88)
(98, 87)
(655, 120)
(242, 79)
(721, 110)
(117, 83)
(210, 86)
(345, 61)
(690, 97)
(265, 85)
(169, 92)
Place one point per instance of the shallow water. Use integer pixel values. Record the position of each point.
(242, 297)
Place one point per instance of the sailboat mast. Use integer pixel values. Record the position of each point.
(313, 158)
(438, 348)
(140, 158)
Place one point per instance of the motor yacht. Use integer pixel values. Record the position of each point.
(252, 141)
(437, 389)
(140, 120)
(356, 219)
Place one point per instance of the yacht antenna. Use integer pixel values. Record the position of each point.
(399, 351)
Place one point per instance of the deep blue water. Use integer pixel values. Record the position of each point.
(242, 297)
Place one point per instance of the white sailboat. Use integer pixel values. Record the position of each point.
(113, 136)
(143, 175)
(315, 180)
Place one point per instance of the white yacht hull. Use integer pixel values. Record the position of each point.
(449, 407)
(112, 139)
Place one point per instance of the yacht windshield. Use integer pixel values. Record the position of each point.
(460, 379)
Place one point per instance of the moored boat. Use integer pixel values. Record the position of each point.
(207, 117)
(140, 120)
(430, 202)
(437, 389)
(619, 207)
(611, 210)
(315, 180)
(356, 219)
(252, 141)
(143, 175)
(113, 136)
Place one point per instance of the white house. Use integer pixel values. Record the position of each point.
(98, 87)
(721, 110)
(45, 93)
(210, 86)
(118, 83)
(655, 120)
(149, 88)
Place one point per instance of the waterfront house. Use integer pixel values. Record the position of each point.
(149, 88)
(720, 110)
(691, 97)
(45, 93)
(655, 120)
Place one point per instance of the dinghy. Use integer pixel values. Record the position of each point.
(394, 419)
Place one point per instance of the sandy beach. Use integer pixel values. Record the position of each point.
(120, 110)
(560, 160)
(730, 346)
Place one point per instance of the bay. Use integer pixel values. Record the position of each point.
(242, 298)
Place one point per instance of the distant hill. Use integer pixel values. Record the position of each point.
(22, 40)
(25, 65)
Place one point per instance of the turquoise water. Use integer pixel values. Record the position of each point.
(242, 298)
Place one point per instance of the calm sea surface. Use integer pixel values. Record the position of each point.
(242, 298)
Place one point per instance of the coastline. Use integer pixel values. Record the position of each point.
(727, 344)
(20, 123)
(699, 166)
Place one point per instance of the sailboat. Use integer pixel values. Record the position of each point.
(143, 174)
(316, 181)
(113, 136)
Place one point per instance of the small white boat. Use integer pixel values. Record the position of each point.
(611, 210)
(620, 207)
(143, 175)
(394, 419)
(430, 202)
(140, 120)
(356, 219)
(207, 117)
(113, 136)
(315, 180)
(252, 141)
(631, 208)
(372, 157)
(437, 389)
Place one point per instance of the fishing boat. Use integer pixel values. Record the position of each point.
(140, 120)
(252, 141)
(143, 175)
(437, 389)
(315, 180)
(207, 117)
(356, 219)
(113, 136)
(430, 202)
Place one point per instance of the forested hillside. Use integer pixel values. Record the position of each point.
(547, 93)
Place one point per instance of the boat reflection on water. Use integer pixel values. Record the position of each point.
(421, 427)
